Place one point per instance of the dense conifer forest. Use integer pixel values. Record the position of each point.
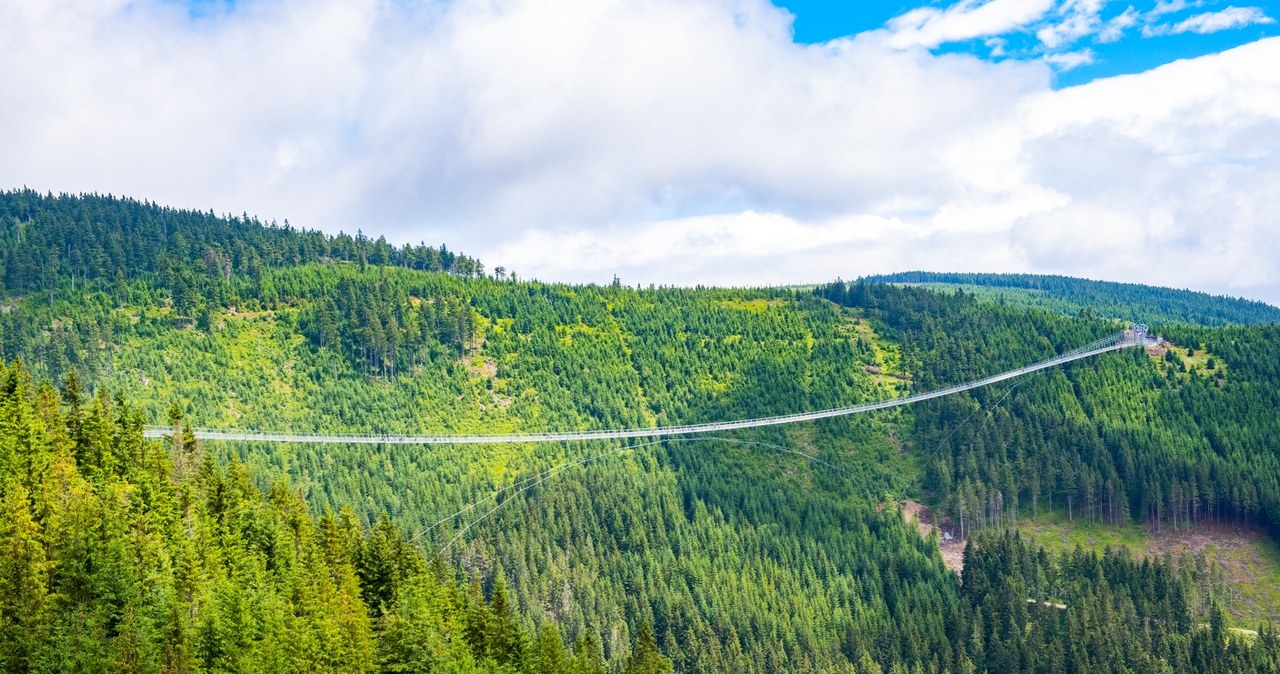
(1125, 301)
(1166, 439)
(779, 550)
(94, 241)
(119, 554)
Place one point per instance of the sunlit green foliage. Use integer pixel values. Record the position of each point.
(1131, 436)
(1027, 610)
(123, 555)
(770, 551)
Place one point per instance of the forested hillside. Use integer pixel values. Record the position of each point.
(770, 551)
(93, 241)
(1124, 301)
(118, 554)
(1147, 436)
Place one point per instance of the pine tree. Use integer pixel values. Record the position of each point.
(504, 637)
(547, 655)
(23, 582)
(645, 657)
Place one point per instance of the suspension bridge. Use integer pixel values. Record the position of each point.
(1136, 336)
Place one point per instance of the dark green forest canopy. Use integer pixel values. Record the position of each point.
(1132, 436)
(1124, 301)
(732, 554)
(126, 555)
(97, 240)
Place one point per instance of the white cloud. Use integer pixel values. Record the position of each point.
(1168, 171)
(668, 142)
(1055, 24)
(1225, 19)
(752, 248)
(1164, 7)
(489, 116)
(1115, 27)
(1078, 18)
(967, 19)
(1065, 61)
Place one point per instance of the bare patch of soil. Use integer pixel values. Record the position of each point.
(502, 402)
(485, 369)
(1172, 541)
(1233, 551)
(925, 519)
(1229, 544)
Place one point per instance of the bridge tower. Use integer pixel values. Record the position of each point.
(1140, 332)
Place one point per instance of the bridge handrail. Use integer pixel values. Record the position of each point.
(1114, 342)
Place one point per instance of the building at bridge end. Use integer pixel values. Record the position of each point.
(1140, 333)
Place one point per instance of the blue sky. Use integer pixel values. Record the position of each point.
(682, 142)
(1145, 33)
(1146, 39)
(819, 20)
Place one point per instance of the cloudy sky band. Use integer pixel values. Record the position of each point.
(673, 142)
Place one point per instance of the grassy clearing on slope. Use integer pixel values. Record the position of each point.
(1193, 361)
(888, 377)
(1240, 566)
(754, 305)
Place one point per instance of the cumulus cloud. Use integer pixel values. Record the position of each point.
(667, 142)
(481, 116)
(967, 19)
(1167, 172)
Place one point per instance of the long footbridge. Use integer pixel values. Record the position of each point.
(1136, 336)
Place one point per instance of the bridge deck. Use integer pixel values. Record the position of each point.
(1122, 340)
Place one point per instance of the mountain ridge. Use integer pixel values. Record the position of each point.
(1126, 301)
